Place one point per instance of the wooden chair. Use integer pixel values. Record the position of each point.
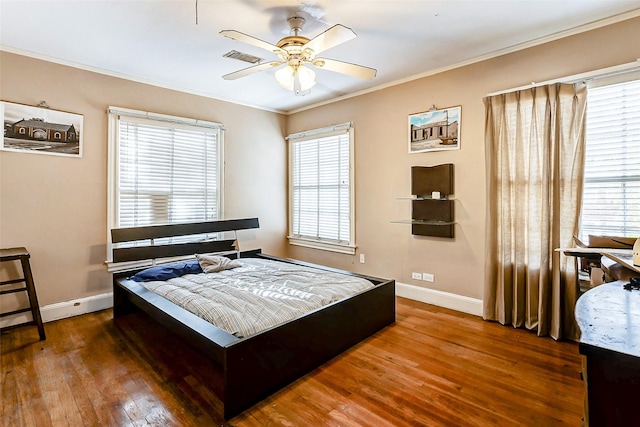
(21, 254)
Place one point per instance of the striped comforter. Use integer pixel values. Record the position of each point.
(258, 295)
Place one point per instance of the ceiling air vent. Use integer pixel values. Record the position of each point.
(242, 57)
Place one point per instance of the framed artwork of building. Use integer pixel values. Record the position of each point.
(435, 130)
(40, 130)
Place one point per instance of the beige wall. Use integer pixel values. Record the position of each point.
(56, 206)
(383, 164)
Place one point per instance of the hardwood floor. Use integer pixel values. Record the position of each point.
(434, 367)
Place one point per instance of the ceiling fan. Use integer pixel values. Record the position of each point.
(296, 52)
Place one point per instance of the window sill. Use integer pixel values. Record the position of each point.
(325, 246)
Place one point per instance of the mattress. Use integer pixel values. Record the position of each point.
(258, 295)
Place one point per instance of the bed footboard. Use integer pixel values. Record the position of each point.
(130, 297)
(262, 364)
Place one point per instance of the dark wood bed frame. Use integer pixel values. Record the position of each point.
(256, 366)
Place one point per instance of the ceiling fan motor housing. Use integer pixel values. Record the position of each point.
(296, 23)
(293, 44)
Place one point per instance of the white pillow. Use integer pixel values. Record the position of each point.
(215, 263)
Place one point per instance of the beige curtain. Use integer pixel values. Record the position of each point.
(534, 142)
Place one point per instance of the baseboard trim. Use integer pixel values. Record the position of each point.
(440, 298)
(61, 310)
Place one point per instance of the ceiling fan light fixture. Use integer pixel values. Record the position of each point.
(306, 76)
(284, 77)
(296, 51)
(299, 79)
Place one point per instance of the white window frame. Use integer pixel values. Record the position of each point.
(600, 82)
(345, 248)
(114, 114)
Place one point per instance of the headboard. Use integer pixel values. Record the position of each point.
(152, 251)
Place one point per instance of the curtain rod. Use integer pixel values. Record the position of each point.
(125, 112)
(589, 75)
(333, 128)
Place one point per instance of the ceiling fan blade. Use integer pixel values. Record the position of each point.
(345, 68)
(241, 37)
(251, 70)
(334, 36)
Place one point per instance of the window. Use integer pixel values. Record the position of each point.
(162, 170)
(321, 189)
(611, 201)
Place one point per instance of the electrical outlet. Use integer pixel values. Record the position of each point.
(416, 276)
(361, 258)
(428, 277)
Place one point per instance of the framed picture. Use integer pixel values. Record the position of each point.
(435, 130)
(40, 130)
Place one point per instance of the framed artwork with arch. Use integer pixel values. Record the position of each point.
(40, 130)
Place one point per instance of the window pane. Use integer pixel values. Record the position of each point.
(611, 201)
(320, 205)
(167, 174)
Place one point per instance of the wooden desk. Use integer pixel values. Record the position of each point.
(615, 271)
(609, 320)
(626, 260)
(622, 256)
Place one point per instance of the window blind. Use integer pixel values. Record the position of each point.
(611, 200)
(321, 188)
(167, 173)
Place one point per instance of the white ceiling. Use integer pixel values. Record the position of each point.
(159, 42)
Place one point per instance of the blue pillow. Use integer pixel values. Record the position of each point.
(168, 271)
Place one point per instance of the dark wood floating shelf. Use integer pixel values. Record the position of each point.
(432, 216)
(426, 198)
(422, 222)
